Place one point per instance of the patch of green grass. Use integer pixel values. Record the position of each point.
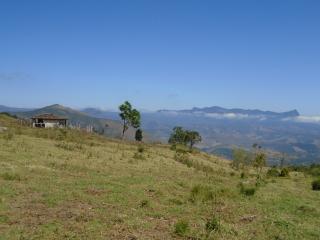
(11, 176)
(181, 228)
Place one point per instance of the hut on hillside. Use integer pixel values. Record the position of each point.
(48, 120)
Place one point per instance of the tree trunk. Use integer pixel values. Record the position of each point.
(123, 129)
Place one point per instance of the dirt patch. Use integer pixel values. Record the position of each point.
(31, 211)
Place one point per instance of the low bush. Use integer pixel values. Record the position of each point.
(140, 149)
(247, 190)
(273, 172)
(181, 228)
(316, 185)
(243, 175)
(144, 203)
(284, 172)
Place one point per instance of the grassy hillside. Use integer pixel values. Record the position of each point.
(63, 184)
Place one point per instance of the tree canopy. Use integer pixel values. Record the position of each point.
(184, 137)
(130, 117)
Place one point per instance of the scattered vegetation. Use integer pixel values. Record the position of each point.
(68, 184)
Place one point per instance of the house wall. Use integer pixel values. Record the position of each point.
(50, 123)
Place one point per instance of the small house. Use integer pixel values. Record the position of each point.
(48, 120)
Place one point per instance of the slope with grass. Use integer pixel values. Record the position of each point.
(67, 184)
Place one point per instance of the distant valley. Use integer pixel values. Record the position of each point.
(281, 134)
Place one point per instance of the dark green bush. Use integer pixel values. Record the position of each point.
(140, 149)
(181, 228)
(247, 190)
(273, 172)
(284, 172)
(316, 185)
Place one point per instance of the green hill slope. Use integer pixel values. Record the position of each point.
(67, 184)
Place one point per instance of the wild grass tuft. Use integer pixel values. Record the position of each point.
(181, 228)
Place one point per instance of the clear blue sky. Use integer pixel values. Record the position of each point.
(161, 54)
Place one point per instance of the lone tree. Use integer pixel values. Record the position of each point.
(178, 136)
(193, 137)
(130, 117)
(184, 137)
(139, 135)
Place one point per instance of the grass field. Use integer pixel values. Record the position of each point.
(57, 184)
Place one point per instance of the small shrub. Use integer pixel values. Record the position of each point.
(213, 224)
(247, 190)
(284, 172)
(316, 185)
(181, 228)
(273, 172)
(140, 149)
(242, 175)
(144, 203)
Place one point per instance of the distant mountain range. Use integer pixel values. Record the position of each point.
(235, 111)
(222, 129)
(13, 109)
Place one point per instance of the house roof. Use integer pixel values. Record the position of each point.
(48, 116)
